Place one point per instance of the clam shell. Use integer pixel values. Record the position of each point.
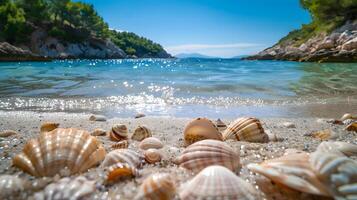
(120, 171)
(118, 132)
(352, 127)
(157, 187)
(123, 156)
(7, 133)
(66, 188)
(99, 118)
(121, 145)
(99, 132)
(152, 156)
(141, 132)
(246, 129)
(201, 129)
(10, 186)
(324, 134)
(217, 182)
(339, 148)
(208, 152)
(151, 143)
(70, 149)
(48, 126)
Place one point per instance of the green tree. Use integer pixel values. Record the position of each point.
(35, 10)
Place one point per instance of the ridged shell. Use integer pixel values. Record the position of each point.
(339, 148)
(118, 132)
(151, 143)
(66, 188)
(99, 132)
(48, 126)
(246, 129)
(120, 171)
(201, 129)
(7, 133)
(10, 186)
(72, 150)
(217, 182)
(157, 187)
(140, 133)
(99, 118)
(152, 156)
(208, 152)
(352, 127)
(121, 145)
(123, 156)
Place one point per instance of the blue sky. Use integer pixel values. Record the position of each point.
(213, 27)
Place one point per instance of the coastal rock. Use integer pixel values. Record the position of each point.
(9, 52)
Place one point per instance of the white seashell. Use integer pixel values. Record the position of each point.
(157, 187)
(121, 145)
(208, 152)
(152, 156)
(123, 156)
(48, 126)
(7, 133)
(70, 149)
(201, 129)
(339, 148)
(119, 171)
(10, 186)
(348, 116)
(141, 132)
(66, 188)
(118, 132)
(99, 118)
(99, 132)
(246, 129)
(151, 143)
(217, 182)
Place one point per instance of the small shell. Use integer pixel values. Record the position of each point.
(7, 133)
(121, 145)
(118, 132)
(208, 152)
(66, 188)
(348, 116)
(48, 126)
(274, 138)
(339, 148)
(99, 118)
(201, 129)
(10, 186)
(152, 156)
(99, 132)
(217, 182)
(323, 135)
(221, 125)
(120, 171)
(151, 143)
(352, 127)
(246, 129)
(157, 187)
(123, 156)
(140, 133)
(288, 125)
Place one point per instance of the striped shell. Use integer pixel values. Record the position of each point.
(201, 129)
(208, 152)
(118, 132)
(123, 156)
(7, 133)
(339, 148)
(140, 133)
(121, 145)
(49, 126)
(246, 129)
(66, 188)
(120, 171)
(217, 182)
(157, 187)
(62, 150)
(151, 143)
(352, 127)
(10, 186)
(99, 132)
(152, 156)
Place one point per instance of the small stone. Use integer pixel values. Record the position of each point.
(139, 115)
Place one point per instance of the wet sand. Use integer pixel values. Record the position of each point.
(170, 131)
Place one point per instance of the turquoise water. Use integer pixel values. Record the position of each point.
(177, 87)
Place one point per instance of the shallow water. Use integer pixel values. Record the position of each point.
(180, 87)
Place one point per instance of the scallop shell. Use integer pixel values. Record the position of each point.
(7, 133)
(151, 143)
(48, 126)
(217, 182)
(10, 186)
(121, 145)
(120, 171)
(157, 187)
(208, 152)
(123, 156)
(66, 188)
(201, 129)
(141, 132)
(323, 135)
(99, 118)
(99, 132)
(62, 149)
(352, 127)
(118, 132)
(152, 156)
(246, 129)
(339, 148)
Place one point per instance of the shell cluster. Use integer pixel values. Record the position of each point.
(122, 156)
(140, 133)
(201, 129)
(151, 143)
(118, 132)
(158, 186)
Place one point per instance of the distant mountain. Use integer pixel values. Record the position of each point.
(192, 55)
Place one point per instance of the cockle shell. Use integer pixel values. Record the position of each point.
(67, 188)
(123, 156)
(121, 145)
(352, 127)
(99, 132)
(208, 152)
(323, 135)
(158, 186)
(10, 186)
(120, 171)
(118, 132)
(152, 156)
(151, 143)
(201, 129)
(141, 132)
(7, 133)
(217, 182)
(246, 129)
(339, 148)
(48, 126)
(70, 149)
(99, 118)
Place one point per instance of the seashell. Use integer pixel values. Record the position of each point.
(66, 188)
(347, 116)
(246, 129)
(99, 132)
(99, 118)
(48, 126)
(157, 187)
(118, 132)
(217, 182)
(221, 125)
(288, 125)
(339, 148)
(152, 156)
(151, 143)
(123, 156)
(323, 135)
(120, 171)
(201, 129)
(140, 133)
(70, 149)
(121, 145)
(352, 127)
(7, 133)
(208, 152)
(10, 186)
(274, 138)
(139, 115)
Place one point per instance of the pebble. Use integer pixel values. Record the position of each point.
(139, 115)
(99, 118)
